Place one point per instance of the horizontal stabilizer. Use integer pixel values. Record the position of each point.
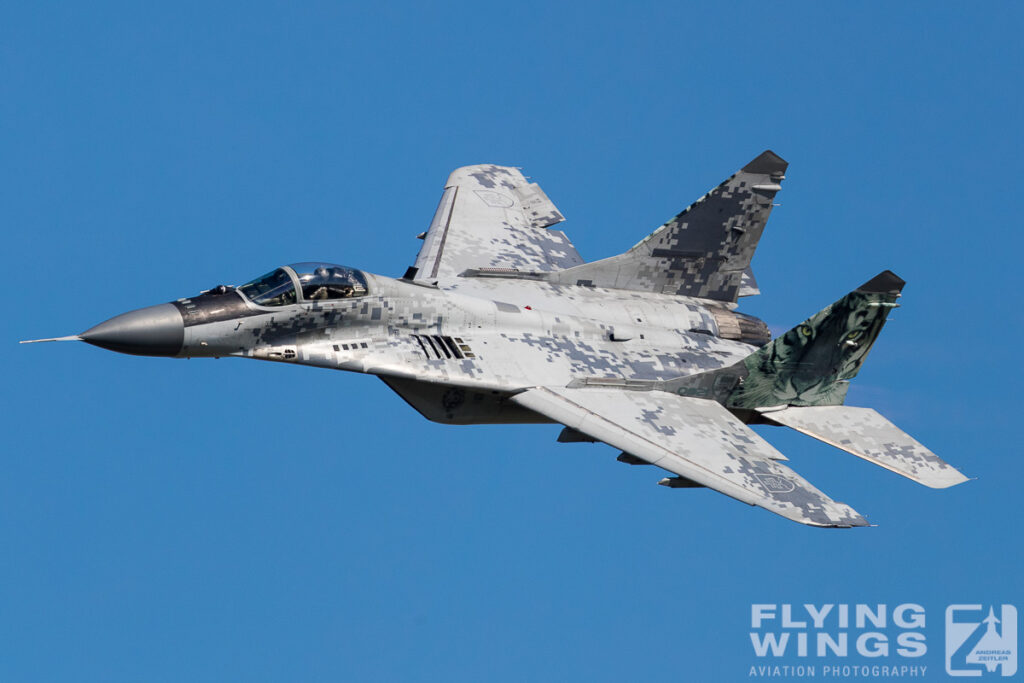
(868, 435)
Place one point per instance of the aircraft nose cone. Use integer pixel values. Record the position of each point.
(151, 331)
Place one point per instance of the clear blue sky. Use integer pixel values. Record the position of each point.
(170, 520)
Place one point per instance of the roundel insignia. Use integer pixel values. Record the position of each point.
(773, 483)
(495, 199)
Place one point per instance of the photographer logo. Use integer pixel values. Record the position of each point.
(981, 640)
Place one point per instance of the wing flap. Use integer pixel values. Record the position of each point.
(696, 439)
(868, 435)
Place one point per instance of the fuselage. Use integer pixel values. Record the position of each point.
(429, 343)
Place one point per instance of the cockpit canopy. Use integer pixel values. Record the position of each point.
(305, 282)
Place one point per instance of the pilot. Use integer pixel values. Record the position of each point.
(321, 276)
(340, 287)
(328, 284)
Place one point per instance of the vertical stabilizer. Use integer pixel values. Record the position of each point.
(810, 364)
(705, 250)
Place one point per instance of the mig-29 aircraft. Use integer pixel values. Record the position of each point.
(501, 321)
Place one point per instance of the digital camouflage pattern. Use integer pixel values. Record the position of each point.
(698, 440)
(491, 217)
(499, 321)
(705, 250)
(868, 435)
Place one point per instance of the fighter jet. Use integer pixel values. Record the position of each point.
(500, 321)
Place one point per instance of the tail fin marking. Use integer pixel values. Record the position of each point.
(812, 363)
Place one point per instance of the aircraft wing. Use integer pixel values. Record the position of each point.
(490, 217)
(695, 438)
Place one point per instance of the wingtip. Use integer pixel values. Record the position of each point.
(839, 516)
(948, 481)
(857, 520)
(854, 523)
(766, 162)
(845, 517)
